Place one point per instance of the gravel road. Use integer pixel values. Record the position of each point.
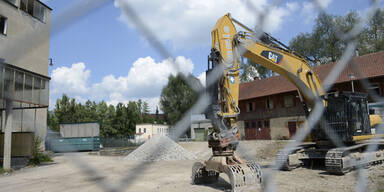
(67, 174)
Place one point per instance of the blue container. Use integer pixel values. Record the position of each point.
(75, 144)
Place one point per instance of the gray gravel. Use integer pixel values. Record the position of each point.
(160, 148)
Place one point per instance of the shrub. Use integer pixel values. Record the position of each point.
(38, 154)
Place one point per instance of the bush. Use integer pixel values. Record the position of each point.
(39, 156)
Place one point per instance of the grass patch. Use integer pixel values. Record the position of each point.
(39, 156)
(1, 170)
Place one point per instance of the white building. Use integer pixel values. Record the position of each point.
(147, 130)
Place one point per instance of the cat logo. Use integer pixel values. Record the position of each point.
(272, 56)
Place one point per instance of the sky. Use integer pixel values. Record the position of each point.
(103, 56)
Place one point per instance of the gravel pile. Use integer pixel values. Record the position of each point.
(160, 148)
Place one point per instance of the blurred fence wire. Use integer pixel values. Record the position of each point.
(83, 8)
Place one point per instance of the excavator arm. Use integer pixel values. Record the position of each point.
(228, 46)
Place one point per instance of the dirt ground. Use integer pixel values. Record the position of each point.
(85, 172)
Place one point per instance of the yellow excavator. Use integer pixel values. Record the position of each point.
(345, 115)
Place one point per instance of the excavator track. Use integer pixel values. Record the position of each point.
(241, 176)
(344, 159)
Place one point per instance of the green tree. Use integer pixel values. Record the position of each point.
(52, 121)
(326, 42)
(251, 70)
(372, 39)
(177, 97)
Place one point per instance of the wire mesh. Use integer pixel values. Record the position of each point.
(83, 8)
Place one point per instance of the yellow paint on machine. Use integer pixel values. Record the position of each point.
(366, 137)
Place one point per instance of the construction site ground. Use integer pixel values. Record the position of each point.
(70, 172)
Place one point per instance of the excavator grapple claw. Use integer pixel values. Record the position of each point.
(201, 176)
(241, 176)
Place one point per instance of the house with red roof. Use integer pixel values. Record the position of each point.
(271, 108)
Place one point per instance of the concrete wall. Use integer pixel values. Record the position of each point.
(26, 44)
(279, 126)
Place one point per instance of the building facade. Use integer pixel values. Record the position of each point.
(24, 59)
(146, 130)
(271, 108)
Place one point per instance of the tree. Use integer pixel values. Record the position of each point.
(326, 42)
(251, 71)
(373, 36)
(177, 97)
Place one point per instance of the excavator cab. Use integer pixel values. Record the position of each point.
(346, 115)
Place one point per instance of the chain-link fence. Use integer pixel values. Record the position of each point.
(83, 8)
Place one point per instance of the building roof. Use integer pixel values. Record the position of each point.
(370, 65)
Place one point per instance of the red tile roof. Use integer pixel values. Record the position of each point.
(370, 65)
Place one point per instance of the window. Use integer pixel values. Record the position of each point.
(269, 103)
(246, 125)
(39, 11)
(259, 124)
(19, 82)
(375, 87)
(288, 101)
(266, 123)
(34, 8)
(145, 130)
(250, 106)
(24, 5)
(3, 25)
(139, 130)
(253, 124)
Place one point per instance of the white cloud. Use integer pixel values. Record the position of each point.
(188, 23)
(292, 6)
(324, 3)
(144, 81)
(310, 9)
(71, 80)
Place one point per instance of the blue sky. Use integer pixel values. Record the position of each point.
(103, 57)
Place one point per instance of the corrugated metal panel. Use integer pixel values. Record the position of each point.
(75, 144)
(80, 130)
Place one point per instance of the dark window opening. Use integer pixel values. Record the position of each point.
(34, 8)
(375, 87)
(288, 101)
(246, 125)
(253, 124)
(266, 123)
(269, 103)
(23, 5)
(250, 106)
(259, 124)
(3, 25)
